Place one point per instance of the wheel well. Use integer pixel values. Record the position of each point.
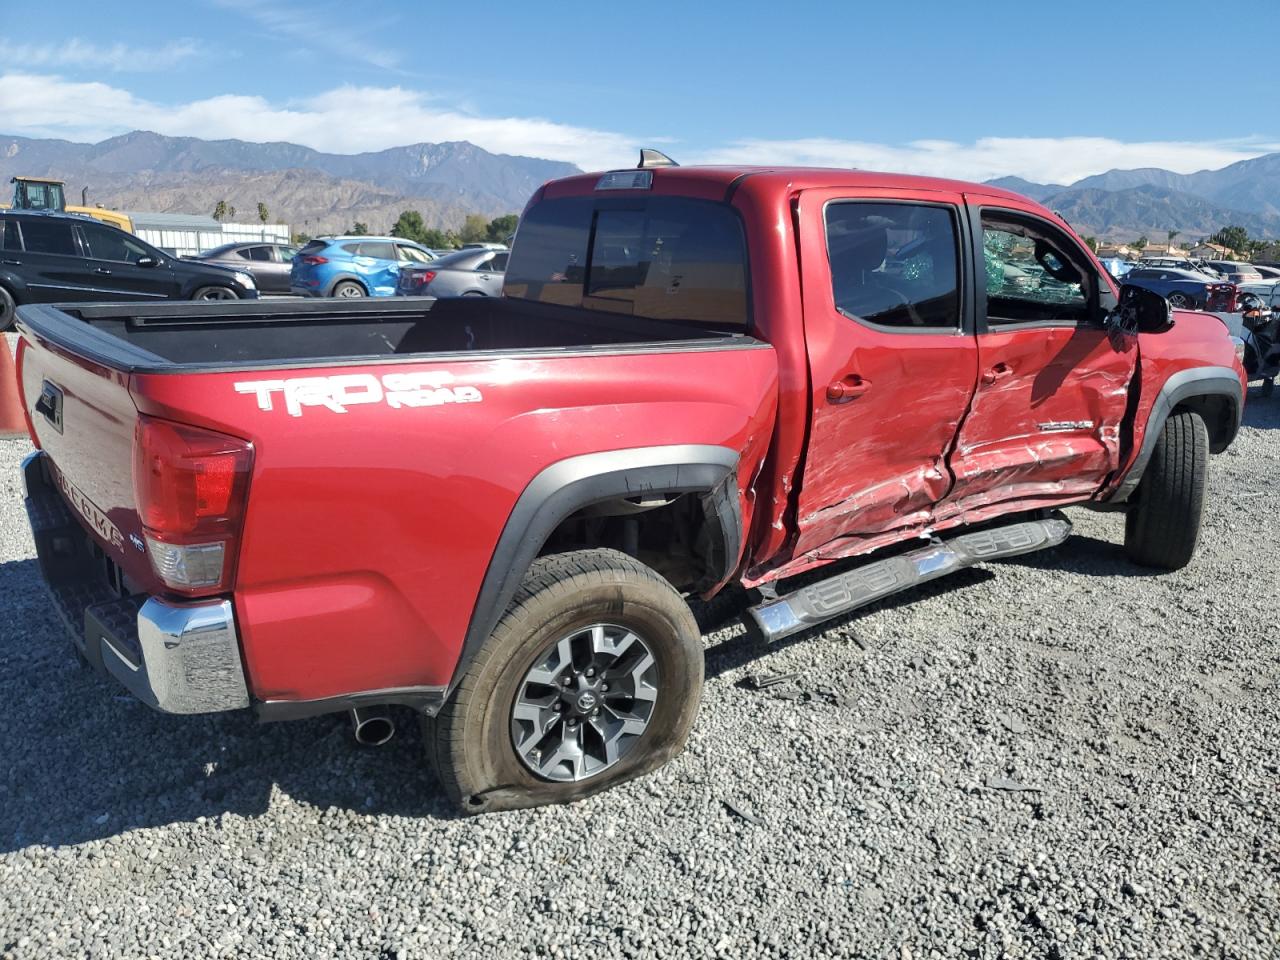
(356, 280)
(1219, 415)
(680, 535)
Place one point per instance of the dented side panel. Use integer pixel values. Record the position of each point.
(875, 463)
(1049, 425)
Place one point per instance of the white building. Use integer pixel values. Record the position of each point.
(185, 234)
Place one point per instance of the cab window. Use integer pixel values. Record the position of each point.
(9, 235)
(1033, 272)
(894, 264)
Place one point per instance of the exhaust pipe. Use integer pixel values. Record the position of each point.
(373, 726)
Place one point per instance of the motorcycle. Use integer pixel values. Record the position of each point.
(1261, 341)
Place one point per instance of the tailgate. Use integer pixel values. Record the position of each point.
(84, 418)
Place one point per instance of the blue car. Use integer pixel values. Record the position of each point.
(353, 266)
(1185, 289)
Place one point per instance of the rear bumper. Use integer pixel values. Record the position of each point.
(174, 657)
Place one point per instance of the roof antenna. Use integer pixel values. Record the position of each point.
(650, 158)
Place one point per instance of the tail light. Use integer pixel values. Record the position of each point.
(191, 485)
(314, 260)
(423, 278)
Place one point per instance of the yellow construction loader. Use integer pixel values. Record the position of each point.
(37, 193)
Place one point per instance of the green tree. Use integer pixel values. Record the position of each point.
(1237, 238)
(435, 239)
(1140, 244)
(231, 211)
(301, 238)
(1091, 243)
(359, 229)
(409, 226)
(475, 229)
(220, 210)
(1172, 234)
(263, 215)
(500, 228)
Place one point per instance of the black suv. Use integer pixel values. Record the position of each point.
(59, 258)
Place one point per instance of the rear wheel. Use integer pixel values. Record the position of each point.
(1162, 527)
(8, 308)
(591, 678)
(215, 293)
(1181, 300)
(348, 290)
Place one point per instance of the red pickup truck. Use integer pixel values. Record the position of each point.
(493, 511)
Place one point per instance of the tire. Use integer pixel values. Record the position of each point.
(472, 743)
(1182, 301)
(215, 293)
(1268, 385)
(348, 290)
(1162, 527)
(8, 310)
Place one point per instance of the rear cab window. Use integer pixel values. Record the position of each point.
(9, 239)
(665, 258)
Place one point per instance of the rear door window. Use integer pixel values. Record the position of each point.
(379, 250)
(9, 235)
(49, 236)
(894, 264)
(668, 258)
(262, 254)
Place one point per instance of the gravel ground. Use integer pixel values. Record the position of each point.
(1059, 756)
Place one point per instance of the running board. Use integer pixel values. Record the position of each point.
(781, 617)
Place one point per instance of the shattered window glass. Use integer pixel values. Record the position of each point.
(1029, 276)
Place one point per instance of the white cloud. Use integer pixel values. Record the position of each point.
(351, 119)
(79, 54)
(1043, 159)
(342, 120)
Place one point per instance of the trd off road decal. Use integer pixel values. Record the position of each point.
(336, 394)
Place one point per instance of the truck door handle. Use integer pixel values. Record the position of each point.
(847, 388)
(16, 263)
(998, 372)
(103, 270)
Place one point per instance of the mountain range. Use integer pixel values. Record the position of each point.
(311, 190)
(319, 192)
(1121, 204)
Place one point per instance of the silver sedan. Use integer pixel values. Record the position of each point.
(464, 273)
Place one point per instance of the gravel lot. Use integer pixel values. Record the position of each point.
(1059, 756)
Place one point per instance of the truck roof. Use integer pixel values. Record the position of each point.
(718, 179)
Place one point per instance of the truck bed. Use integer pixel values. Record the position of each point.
(221, 335)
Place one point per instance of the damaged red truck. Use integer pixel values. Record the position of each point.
(493, 511)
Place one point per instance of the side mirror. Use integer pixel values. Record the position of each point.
(1140, 311)
(147, 262)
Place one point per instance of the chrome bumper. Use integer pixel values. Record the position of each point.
(175, 657)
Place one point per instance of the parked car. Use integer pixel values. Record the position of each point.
(495, 510)
(350, 267)
(1181, 263)
(1235, 271)
(270, 263)
(465, 273)
(1187, 289)
(61, 258)
(1267, 273)
(483, 246)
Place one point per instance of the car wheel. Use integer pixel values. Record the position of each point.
(1181, 300)
(215, 293)
(348, 290)
(591, 678)
(8, 309)
(1162, 527)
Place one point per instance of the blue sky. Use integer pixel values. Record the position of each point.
(1045, 91)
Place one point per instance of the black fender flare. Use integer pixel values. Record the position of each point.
(1181, 387)
(567, 486)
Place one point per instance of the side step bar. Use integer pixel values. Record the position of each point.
(838, 595)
